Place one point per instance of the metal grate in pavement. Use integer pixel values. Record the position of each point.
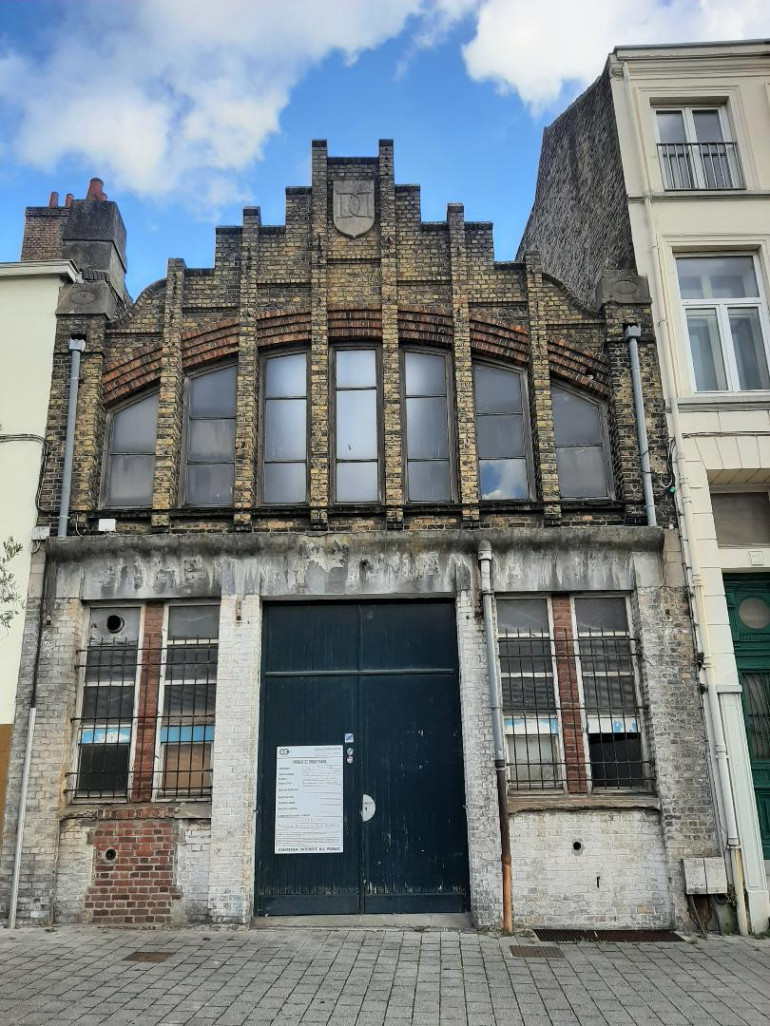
(536, 951)
(148, 956)
(617, 936)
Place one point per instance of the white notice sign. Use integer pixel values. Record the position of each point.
(308, 800)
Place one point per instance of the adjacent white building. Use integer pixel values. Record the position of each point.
(29, 294)
(665, 162)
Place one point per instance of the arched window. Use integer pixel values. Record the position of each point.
(284, 438)
(130, 460)
(582, 450)
(501, 433)
(210, 438)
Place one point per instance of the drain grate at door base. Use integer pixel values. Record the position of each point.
(536, 951)
(616, 936)
(148, 956)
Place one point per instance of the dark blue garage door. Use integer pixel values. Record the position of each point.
(361, 741)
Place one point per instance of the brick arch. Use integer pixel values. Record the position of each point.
(122, 377)
(581, 370)
(213, 342)
(425, 327)
(282, 328)
(495, 339)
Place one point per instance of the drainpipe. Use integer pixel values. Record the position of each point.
(498, 738)
(27, 759)
(77, 345)
(632, 333)
(690, 549)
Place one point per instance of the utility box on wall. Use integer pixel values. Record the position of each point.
(705, 876)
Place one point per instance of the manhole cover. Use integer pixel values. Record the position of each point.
(536, 951)
(148, 956)
(617, 936)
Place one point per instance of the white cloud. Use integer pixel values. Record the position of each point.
(172, 97)
(168, 96)
(543, 49)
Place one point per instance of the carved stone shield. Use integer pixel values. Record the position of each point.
(353, 206)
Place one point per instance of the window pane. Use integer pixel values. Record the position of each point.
(706, 351)
(211, 440)
(717, 277)
(187, 768)
(134, 427)
(616, 760)
(504, 479)
(357, 482)
(209, 484)
(428, 482)
(582, 472)
(749, 350)
(195, 697)
(500, 436)
(601, 614)
(213, 394)
(127, 624)
(130, 480)
(192, 663)
(523, 614)
(286, 375)
(103, 768)
(742, 518)
(671, 126)
(356, 368)
(427, 430)
(425, 374)
(112, 702)
(285, 429)
(193, 622)
(496, 390)
(576, 421)
(708, 126)
(284, 482)
(357, 425)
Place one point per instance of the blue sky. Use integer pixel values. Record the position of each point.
(188, 112)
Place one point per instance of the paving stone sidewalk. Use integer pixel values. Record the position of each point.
(357, 977)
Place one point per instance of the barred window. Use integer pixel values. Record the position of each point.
(571, 711)
(186, 732)
(107, 707)
(530, 713)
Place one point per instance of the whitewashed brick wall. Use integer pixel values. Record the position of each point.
(191, 870)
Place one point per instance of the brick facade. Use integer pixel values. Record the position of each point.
(307, 285)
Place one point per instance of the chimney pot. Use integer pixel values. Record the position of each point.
(96, 190)
(69, 199)
(54, 200)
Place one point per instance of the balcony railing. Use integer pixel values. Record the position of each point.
(688, 166)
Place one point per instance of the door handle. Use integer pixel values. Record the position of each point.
(368, 807)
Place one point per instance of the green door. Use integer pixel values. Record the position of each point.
(362, 797)
(748, 602)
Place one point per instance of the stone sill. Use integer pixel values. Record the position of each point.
(89, 810)
(580, 802)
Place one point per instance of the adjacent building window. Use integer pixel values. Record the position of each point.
(186, 733)
(571, 712)
(726, 322)
(210, 441)
(741, 518)
(582, 448)
(284, 436)
(428, 464)
(130, 462)
(695, 149)
(356, 417)
(501, 433)
(105, 726)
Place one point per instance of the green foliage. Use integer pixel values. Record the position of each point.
(11, 602)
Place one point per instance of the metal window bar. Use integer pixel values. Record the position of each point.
(558, 739)
(708, 165)
(157, 747)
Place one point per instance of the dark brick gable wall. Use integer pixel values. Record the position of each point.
(579, 222)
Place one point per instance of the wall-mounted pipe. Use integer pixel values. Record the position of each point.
(632, 334)
(77, 345)
(498, 736)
